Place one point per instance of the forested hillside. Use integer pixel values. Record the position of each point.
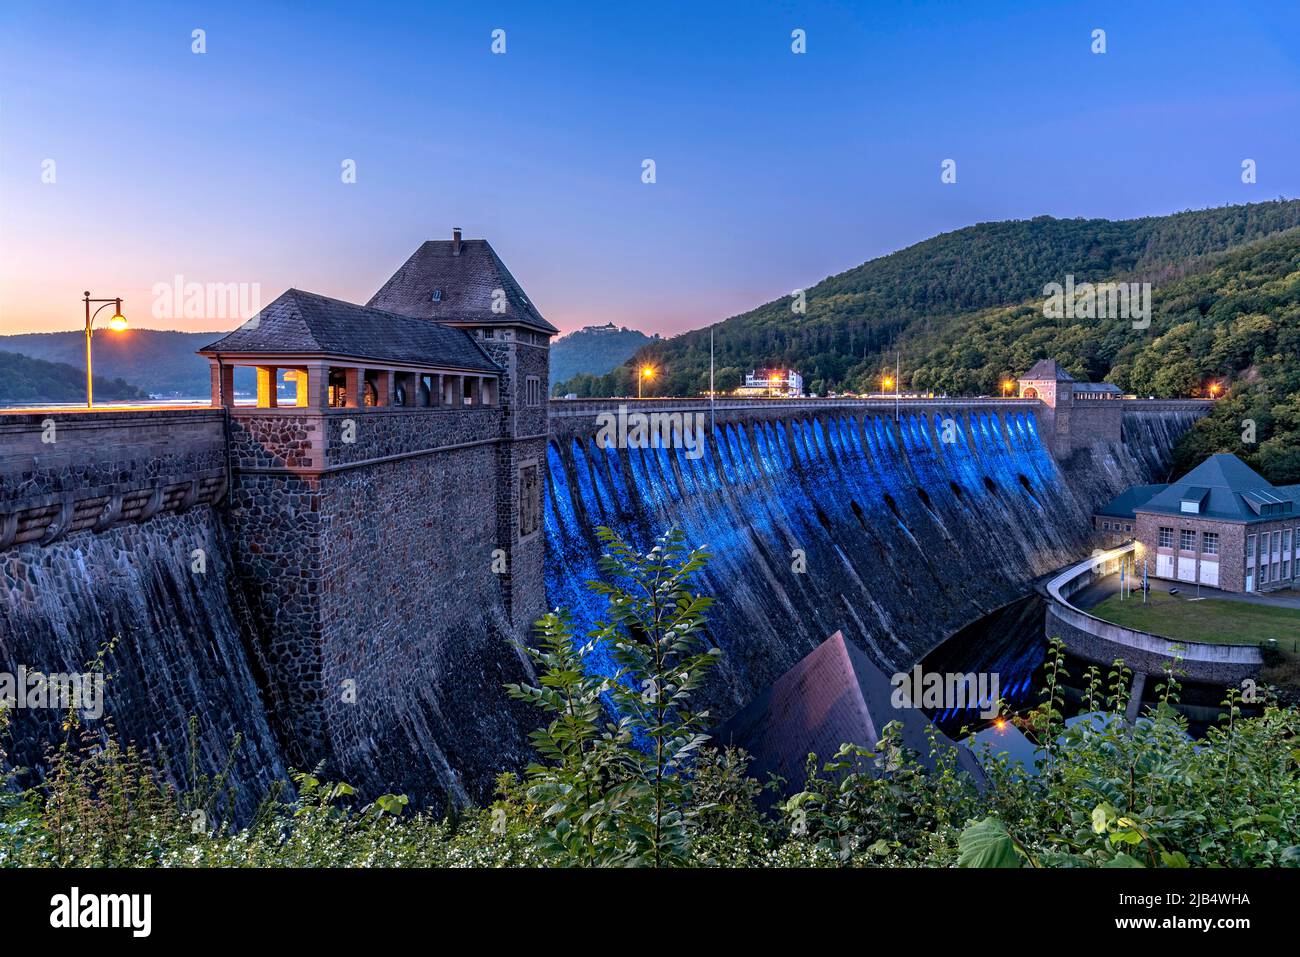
(909, 300)
(157, 361)
(23, 380)
(593, 351)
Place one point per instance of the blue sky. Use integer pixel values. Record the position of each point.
(774, 170)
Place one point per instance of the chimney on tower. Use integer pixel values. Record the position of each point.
(455, 240)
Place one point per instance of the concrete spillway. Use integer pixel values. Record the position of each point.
(845, 518)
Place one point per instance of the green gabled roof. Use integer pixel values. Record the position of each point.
(1227, 488)
(1123, 504)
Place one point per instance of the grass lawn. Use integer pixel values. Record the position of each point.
(1213, 620)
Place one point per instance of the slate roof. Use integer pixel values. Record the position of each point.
(1097, 387)
(833, 696)
(463, 283)
(1226, 487)
(1122, 505)
(304, 323)
(1048, 369)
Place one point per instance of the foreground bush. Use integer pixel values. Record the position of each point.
(625, 776)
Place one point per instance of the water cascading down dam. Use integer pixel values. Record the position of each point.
(255, 571)
(855, 516)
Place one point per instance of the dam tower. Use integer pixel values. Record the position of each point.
(385, 506)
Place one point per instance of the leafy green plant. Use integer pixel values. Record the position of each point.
(618, 789)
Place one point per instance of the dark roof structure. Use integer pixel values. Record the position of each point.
(304, 323)
(1224, 487)
(1048, 369)
(833, 696)
(1098, 387)
(1123, 504)
(455, 280)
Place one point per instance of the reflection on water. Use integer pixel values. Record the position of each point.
(1010, 643)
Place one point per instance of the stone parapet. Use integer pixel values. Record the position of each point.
(66, 472)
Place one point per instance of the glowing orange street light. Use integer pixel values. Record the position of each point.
(647, 372)
(117, 324)
(1215, 389)
(886, 383)
(1007, 387)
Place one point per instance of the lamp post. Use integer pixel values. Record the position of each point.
(117, 323)
(647, 372)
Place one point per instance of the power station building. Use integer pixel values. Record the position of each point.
(1222, 525)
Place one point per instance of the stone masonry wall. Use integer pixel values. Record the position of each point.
(523, 582)
(383, 618)
(109, 539)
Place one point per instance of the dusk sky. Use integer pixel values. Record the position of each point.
(773, 169)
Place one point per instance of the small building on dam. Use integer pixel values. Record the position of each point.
(342, 570)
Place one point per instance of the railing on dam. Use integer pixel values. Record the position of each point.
(568, 408)
(1103, 641)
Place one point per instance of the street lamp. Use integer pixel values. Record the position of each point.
(1006, 388)
(647, 372)
(1215, 389)
(117, 323)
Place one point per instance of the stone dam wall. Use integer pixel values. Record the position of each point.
(352, 605)
(854, 516)
(116, 542)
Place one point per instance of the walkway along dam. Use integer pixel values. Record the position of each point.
(348, 600)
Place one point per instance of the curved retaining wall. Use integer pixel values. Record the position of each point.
(1102, 642)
